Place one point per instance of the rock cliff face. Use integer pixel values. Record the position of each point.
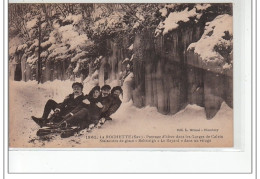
(169, 77)
(162, 76)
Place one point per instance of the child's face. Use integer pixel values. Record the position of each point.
(96, 94)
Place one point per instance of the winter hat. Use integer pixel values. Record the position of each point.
(117, 88)
(96, 88)
(93, 90)
(78, 84)
(106, 87)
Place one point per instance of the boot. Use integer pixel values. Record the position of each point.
(108, 119)
(40, 121)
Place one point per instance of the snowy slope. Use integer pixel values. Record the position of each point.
(29, 98)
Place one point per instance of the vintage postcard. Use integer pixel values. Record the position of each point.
(123, 75)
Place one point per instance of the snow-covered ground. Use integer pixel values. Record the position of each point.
(144, 127)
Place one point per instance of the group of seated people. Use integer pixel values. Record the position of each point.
(84, 111)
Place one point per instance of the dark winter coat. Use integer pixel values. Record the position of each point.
(70, 103)
(92, 111)
(114, 104)
(106, 102)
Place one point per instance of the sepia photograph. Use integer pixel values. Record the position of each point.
(120, 75)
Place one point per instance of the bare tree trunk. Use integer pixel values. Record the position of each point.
(39, 56)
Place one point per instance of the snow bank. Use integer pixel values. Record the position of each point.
(225, 112)
(213, 36)
(58, 89)
(128, 120)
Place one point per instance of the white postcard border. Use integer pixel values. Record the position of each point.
(169, 161)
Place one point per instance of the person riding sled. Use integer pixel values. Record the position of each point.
(90, 111)
(95, 108)
(87, 113)
(113, 104)
(61, 109)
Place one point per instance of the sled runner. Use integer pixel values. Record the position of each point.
(64, 132)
